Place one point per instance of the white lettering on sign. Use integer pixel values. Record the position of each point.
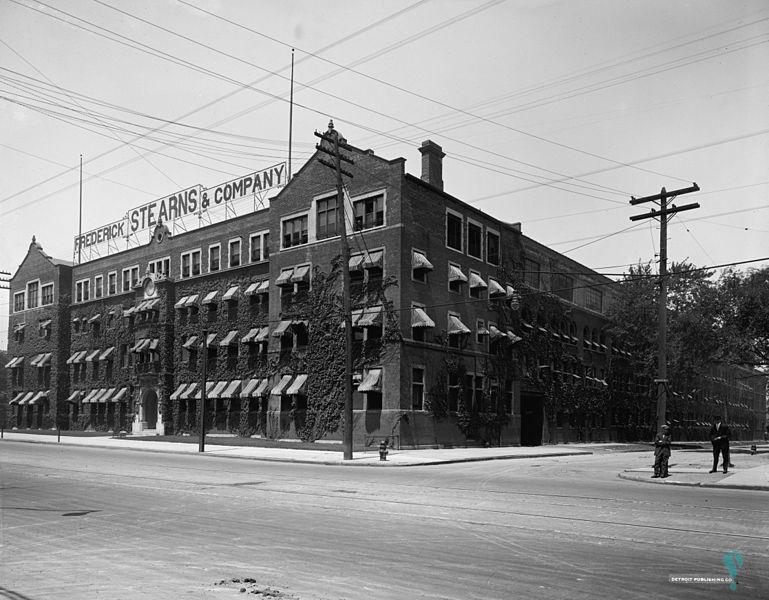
(250, 184)
(194, 200)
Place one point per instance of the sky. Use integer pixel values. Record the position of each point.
(551, 113)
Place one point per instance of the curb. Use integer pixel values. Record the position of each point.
(761, 488)
(213, 454)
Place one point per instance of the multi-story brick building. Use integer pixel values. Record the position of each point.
(465, 330)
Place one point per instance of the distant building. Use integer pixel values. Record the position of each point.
(465, 330)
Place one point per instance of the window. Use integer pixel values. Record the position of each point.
(259, 248)
(420, 266)
(477, 285)
(454, 230)
(492, 247)
(368, 213)
(453, 391)
(112, 283)
(214, 258)
(456, 278)
(327, 218)
(481, 333)
(18, 302)
(531, 273)
(474, 240)
(417, 388)
(190, 262)
(130, 278)
(33, 287)
(593, 299)
(563, 286)
(83, 290)
(161, 266)
(234, 253)
(294, 231)
(420, 322)
(98, 286)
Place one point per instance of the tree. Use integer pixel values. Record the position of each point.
(745, 316)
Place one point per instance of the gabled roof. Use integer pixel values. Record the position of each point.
(35, 246)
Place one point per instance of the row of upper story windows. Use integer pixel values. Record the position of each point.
(190, 265)
(562, 285)
(323, 220)
(470, 237)
(33, 296)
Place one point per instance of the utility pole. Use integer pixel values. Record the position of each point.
(202, 440)
(664, 214)
(334, 145)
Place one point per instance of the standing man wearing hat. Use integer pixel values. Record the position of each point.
(661, 452)
(719, 437)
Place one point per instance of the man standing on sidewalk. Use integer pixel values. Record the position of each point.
(719, 437)
(661, 452)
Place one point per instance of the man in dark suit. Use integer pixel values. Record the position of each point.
(719, 437)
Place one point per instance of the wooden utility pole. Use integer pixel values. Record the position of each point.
(663, 214)
(204, 376)
(333, 146)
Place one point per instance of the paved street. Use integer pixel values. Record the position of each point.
(99, 523)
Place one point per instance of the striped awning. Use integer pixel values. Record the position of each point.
(456, 274)
(229, 339)
(77, 357)
(190, 342)
(35, 359)
(356, 262)
(45, 360)
(181, 303)
(232, 390)
(496, 289)
(298, 385)
(419, 318)
(419, 261)
(191, 300)
(45, 324)
(95, 318)
(178, 391)
(107, 354)
(481, 330)
(261, 389)
(99, 397)
(373, 260)
(209, 340)
(27, 397)
(90, 396)
(280, 388)
(477, 282)
(211, 297)
(281, 329)
(14, 362)
(456, 326)
(217, 390)
(284, 278)
(371, 316)
(514, 339)
(256, 335)
(16, 398)
(107, 396)
(494, 333)
(75, 396)
(301, 274)
(93, 355)
(258, 287)
(189, 391)
(120, 395)
(249, 385)
(231, 293)
(372, 382)
(19, 327)
(209, 386)
(129, 311)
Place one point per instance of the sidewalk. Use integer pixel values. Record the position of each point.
(692, 468)
(395, 458)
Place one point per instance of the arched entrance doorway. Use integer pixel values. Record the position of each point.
(150, 408)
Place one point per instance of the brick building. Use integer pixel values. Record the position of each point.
(465, 330)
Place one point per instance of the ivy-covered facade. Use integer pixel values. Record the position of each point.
(465, 330)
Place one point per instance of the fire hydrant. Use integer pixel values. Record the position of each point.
(383, 450)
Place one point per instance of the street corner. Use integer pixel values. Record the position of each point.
(756, 478)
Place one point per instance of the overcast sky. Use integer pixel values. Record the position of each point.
(552, 114)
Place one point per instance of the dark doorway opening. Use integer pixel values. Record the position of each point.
(532, 419)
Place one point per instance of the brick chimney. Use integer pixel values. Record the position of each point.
(432, 163)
